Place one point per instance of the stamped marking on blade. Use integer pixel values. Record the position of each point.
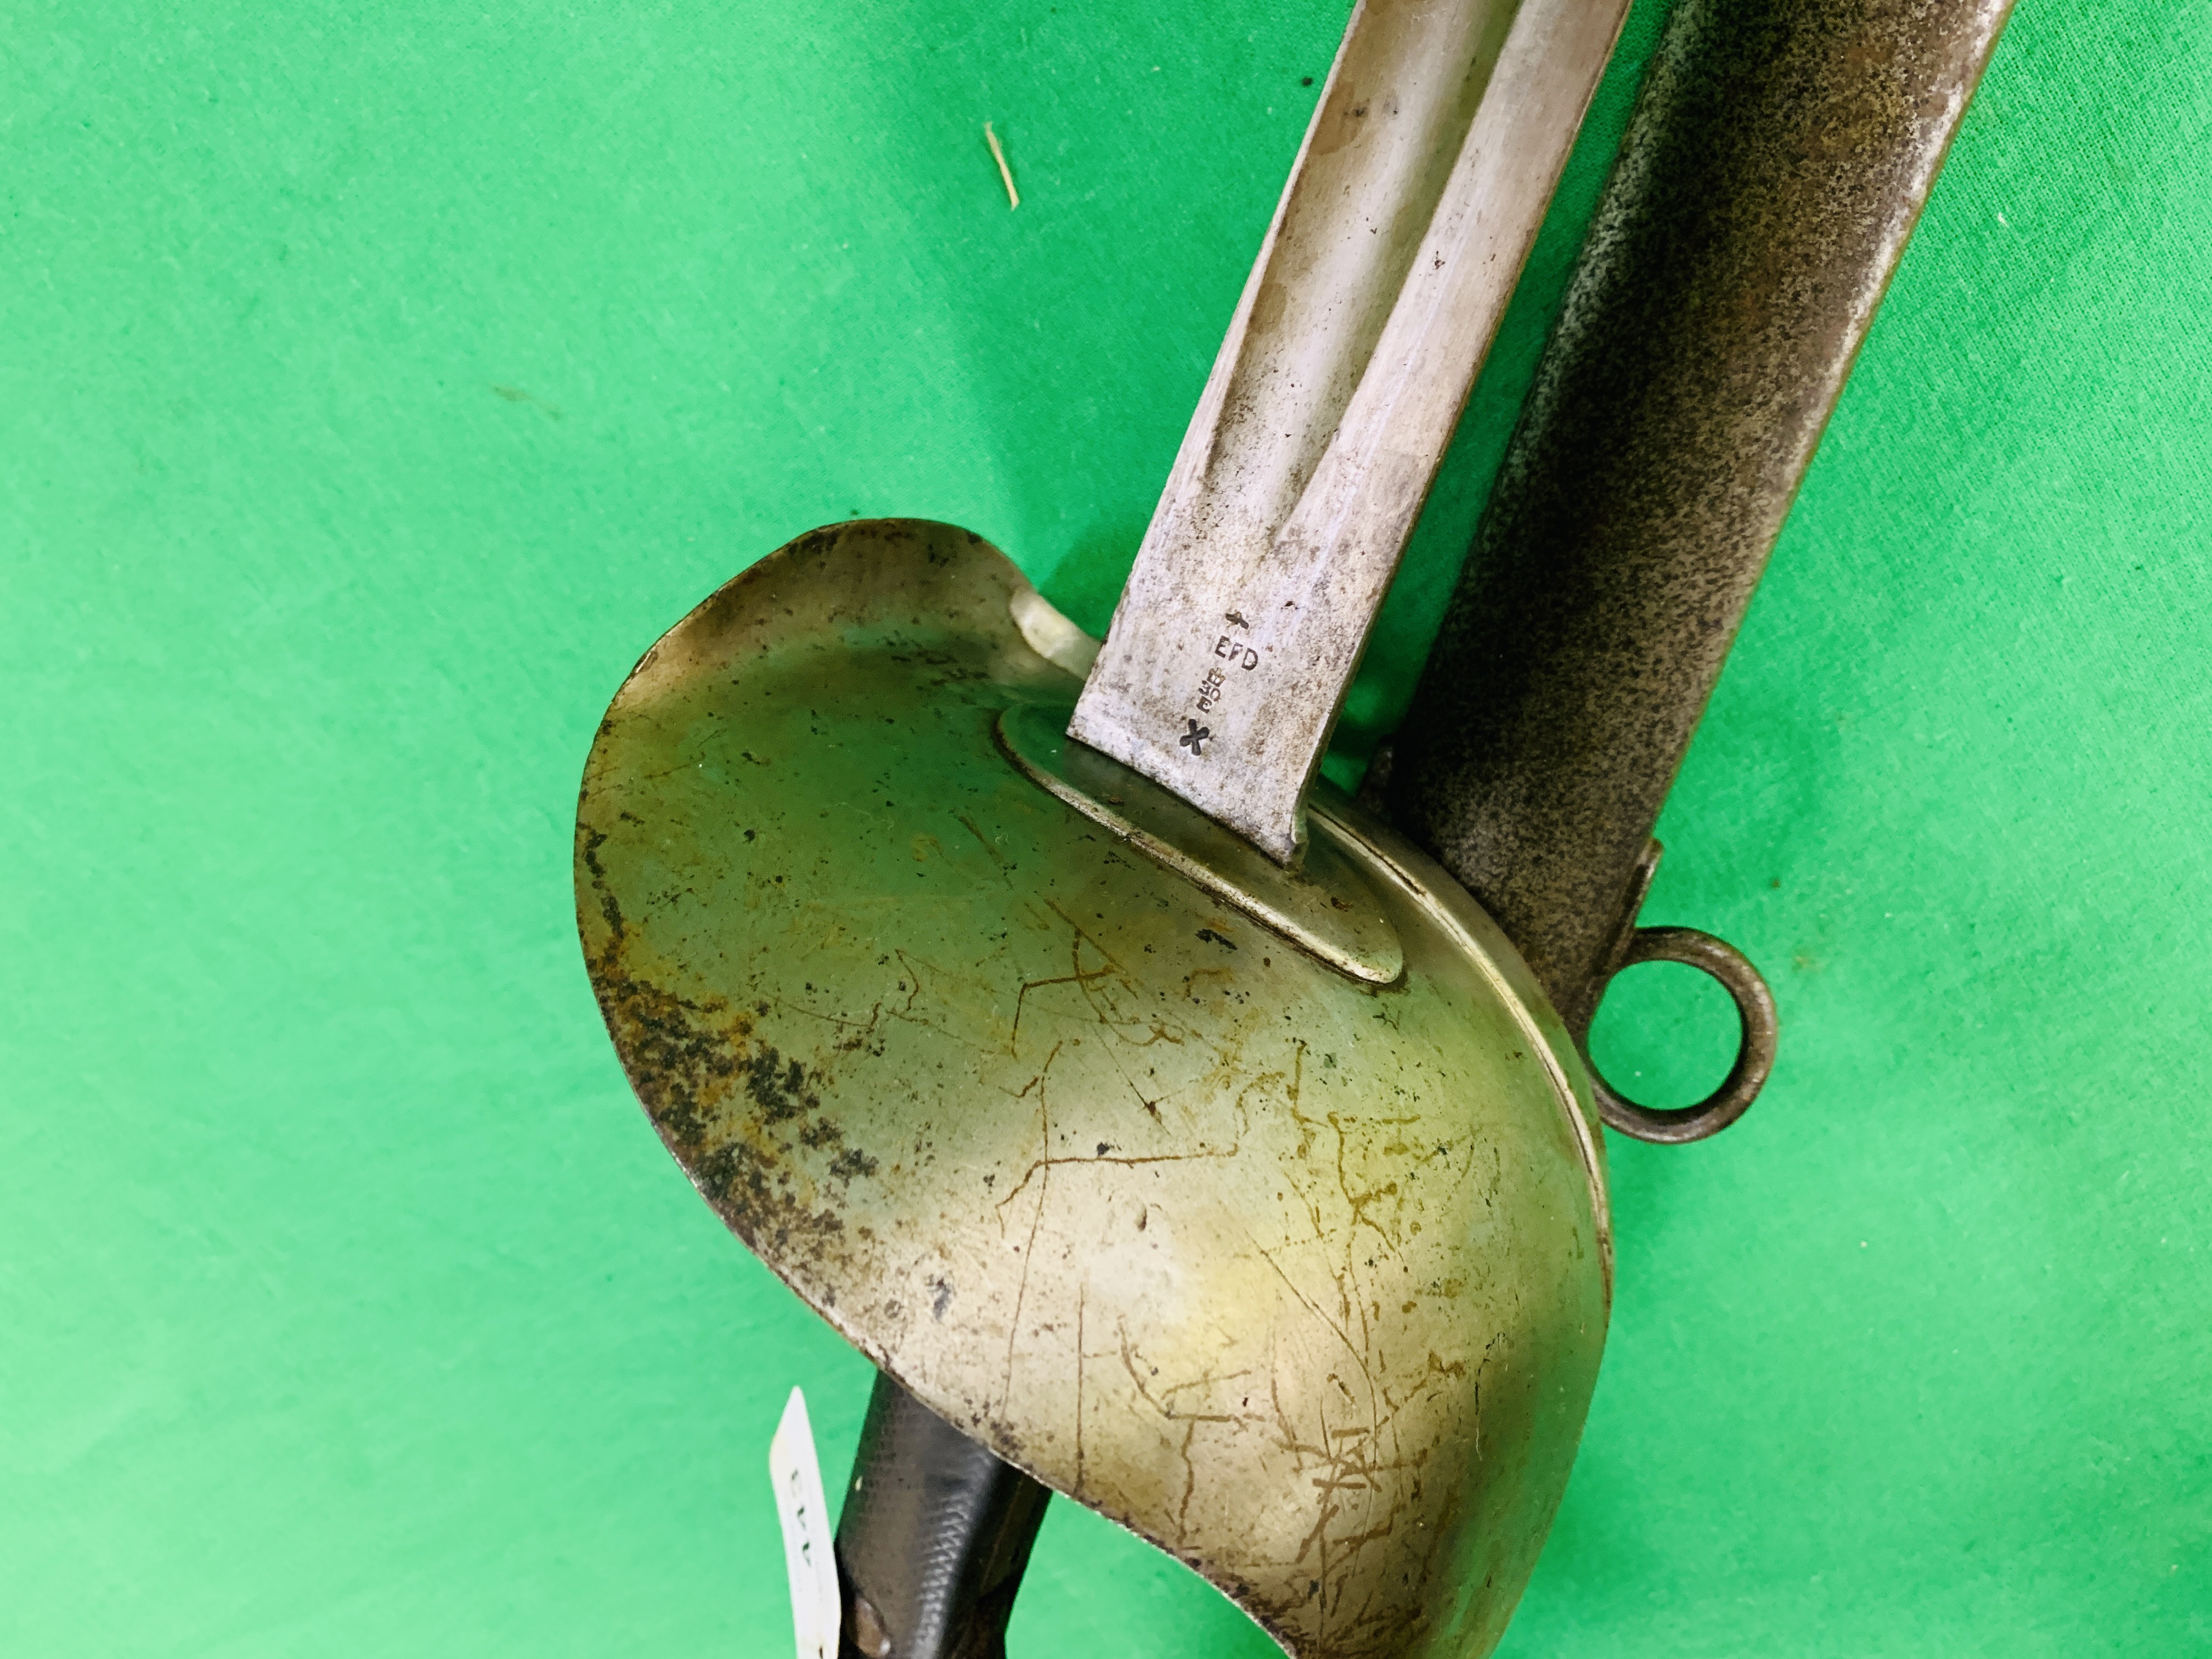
(1423, 178)
(1324, 906)
(807, 1555)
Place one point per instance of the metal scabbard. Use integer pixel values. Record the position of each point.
(1780, 154)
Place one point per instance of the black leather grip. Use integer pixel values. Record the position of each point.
(932, 1540)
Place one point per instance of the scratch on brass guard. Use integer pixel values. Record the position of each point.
(1324, 908)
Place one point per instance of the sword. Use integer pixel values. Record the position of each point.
(1352, 351)
(1341, 501)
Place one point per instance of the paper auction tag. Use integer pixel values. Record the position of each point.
(807, 1555)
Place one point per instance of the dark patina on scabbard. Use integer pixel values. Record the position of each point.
(1780, 154)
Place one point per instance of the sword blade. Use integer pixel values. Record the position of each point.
(1423, 178)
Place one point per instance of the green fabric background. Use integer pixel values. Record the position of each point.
(377, 381)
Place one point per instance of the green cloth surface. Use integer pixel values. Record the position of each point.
(376, 382)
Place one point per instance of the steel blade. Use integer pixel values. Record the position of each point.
(1424, 175)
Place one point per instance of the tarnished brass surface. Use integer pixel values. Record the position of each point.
(1322, 905)
(1303, 1277)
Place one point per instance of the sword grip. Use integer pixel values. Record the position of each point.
(933, 1538)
